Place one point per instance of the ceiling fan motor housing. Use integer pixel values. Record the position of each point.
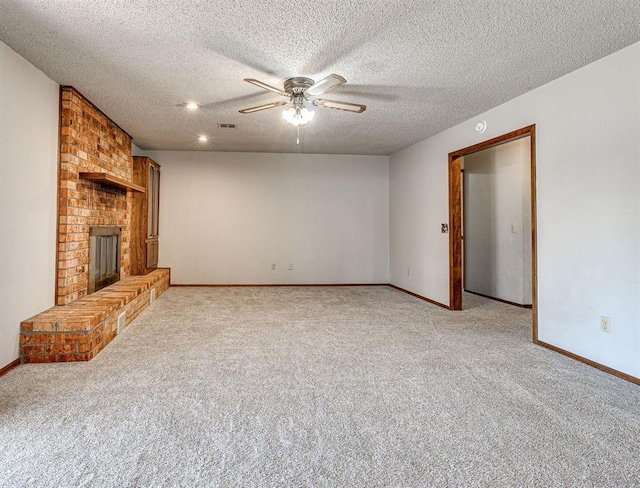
(297, 84)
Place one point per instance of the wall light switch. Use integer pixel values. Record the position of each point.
(273, 267)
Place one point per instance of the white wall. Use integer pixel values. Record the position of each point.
(497, 222)
(28, 192)
(588, 203)
(136, 151)
(225, 218)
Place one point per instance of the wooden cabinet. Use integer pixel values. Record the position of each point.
(144, 219)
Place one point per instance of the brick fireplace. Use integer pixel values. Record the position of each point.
(89, 143)
(94, 199)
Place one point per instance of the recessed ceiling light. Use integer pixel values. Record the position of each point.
(192, 105)
(203, 138)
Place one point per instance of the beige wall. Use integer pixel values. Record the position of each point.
(228, 217)
(28, 180)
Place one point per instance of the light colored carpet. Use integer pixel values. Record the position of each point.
(319, 387)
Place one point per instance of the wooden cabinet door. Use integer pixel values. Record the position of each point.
(152, 254)
(145, 216)
(156, 203)
(151, 178)
(153, 200)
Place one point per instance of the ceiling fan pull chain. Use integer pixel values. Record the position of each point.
(298, 139)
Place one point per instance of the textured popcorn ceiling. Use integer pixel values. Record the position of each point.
(419, 66)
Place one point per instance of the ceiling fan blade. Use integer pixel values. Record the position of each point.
(336, 105)
(262, 107)
(325, 85)
(264, 86)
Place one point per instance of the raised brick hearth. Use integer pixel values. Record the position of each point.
(79, 331)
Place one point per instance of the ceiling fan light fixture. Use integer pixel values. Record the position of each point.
(297, 116)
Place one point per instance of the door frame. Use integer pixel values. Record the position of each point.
(455, 219)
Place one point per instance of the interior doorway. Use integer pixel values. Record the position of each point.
(496, 221)
(456, 217)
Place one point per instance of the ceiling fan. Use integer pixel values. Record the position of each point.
(299, 90)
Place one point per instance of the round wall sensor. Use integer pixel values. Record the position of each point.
(481, 126)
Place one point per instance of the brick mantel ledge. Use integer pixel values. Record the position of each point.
(79, 331)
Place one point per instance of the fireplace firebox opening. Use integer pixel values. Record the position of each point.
(104, 257)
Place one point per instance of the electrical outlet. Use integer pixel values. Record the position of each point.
(605, 324)
(290, 266)
(153, 296)
(273, 267)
